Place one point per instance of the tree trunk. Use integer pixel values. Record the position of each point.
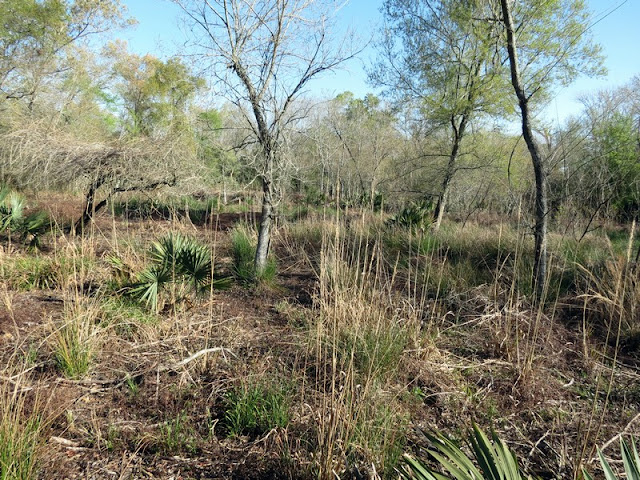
(438, 213)
(457, 134)
(90, 207)
(540, 229)
(266, 218)
(264, 234)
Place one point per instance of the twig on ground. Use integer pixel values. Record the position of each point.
(195, 356)
(616, 437)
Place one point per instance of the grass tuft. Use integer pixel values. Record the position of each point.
(243, 252)
(256, 409)
(75, 338)
(20, 431)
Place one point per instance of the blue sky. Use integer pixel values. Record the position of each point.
(616, 29)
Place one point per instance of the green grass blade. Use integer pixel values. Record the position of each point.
(608, 472)
(629, 459)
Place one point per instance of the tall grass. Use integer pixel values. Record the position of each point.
(611, 304)
(359, 340)
(243, 250)
(75, 337)
(21, 428)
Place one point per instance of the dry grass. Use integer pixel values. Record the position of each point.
(371, 331)
(363, 331)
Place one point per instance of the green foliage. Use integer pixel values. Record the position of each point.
(73, 356)
(630, 460)
(34, 34)
(381, 430)
(243, 252)
(74, 340)
(176, 260)
(28, 227)
(376, 352)
(416, 217)
(554, 42)
(150, 283)
(125, 315)
(155, 93)
(616, 143)
(175, 435)
(33, 272)
(453, 78)
(256, 409)
(493, 460)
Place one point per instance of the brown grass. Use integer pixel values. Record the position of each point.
(372, 342)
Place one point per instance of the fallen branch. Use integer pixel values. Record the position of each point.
(195, 356)
(616, 437)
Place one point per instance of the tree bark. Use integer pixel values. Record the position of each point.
(266, 220)
(540, 229)
(90, 208)
(458, 133)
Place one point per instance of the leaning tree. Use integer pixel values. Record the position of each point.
(262, 54)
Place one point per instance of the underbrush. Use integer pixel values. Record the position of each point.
(359, 342)
(198, 211)
(374, 330)
(255, 409)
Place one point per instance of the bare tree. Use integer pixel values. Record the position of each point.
(264, 53)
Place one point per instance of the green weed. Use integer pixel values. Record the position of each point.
(256, 409)
(33, 272)
(75, 338)
(20, 432)
(175, 435)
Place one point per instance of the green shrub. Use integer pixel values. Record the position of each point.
(416, 217)
(176, 260)
(256, 409)
(29, 227)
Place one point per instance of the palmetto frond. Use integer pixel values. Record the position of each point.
(177, 258)
(167, 250)
(150, 282)
(493, 460)
(630, 461)
(195, 264)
